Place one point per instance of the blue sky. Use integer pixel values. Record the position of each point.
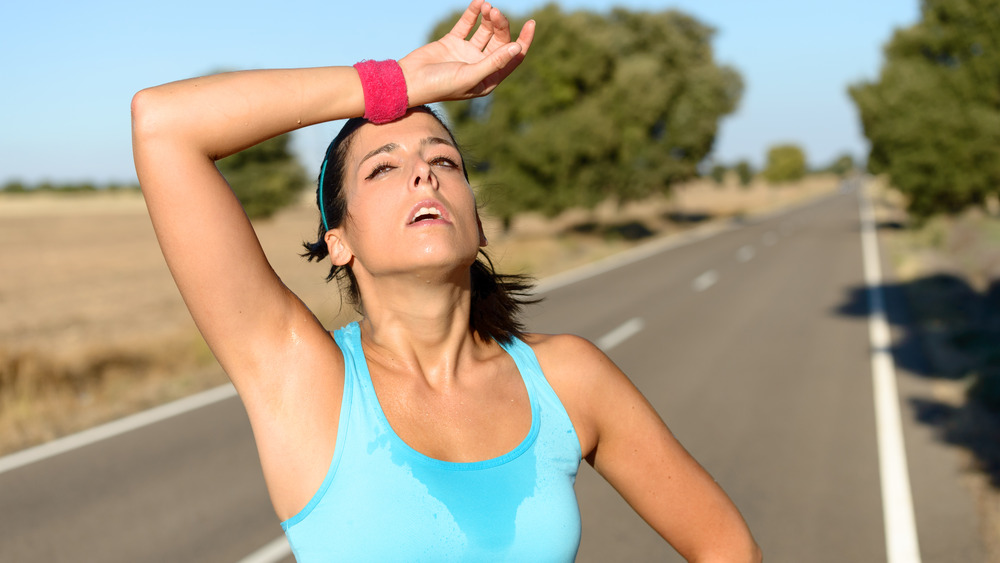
(70, 68)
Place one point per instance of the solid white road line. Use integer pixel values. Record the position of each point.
(114, 428)
(705, 281)
(270, 553)
(627, 330)
(897, 503)
(745, 253)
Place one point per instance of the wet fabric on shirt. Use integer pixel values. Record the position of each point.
(384, 501)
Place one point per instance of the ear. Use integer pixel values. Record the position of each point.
(340, 254)
(482, 234)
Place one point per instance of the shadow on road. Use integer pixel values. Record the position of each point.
(949, 331)
(629, 230)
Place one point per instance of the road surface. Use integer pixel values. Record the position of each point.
(751, 342)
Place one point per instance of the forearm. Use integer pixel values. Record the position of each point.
(222, 114)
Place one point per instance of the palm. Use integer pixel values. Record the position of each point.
(455, 68)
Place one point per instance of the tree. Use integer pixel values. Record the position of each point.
(785, 163)
(265, 177)
(621, 104)
(745, 172)
(14, 187)
(842, 166)
(933, 116)
(718, 174)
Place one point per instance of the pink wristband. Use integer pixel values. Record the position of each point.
(385, 90)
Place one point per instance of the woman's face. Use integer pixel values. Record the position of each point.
(409, 206)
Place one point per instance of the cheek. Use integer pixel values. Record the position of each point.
(366, 209)
(368, 224)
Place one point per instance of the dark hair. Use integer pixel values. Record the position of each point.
(497, 299)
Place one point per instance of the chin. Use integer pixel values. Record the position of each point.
(443, 265)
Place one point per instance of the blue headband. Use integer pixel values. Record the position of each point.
(322, 204)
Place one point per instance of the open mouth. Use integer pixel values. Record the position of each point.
(426, 214)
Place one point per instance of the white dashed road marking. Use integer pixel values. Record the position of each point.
(271, 553)
(627, 330)
(705, 281)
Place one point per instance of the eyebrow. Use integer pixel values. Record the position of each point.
(389, 147)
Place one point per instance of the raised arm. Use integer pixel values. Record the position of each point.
(625, 440)
(180, 129)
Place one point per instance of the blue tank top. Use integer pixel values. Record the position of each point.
(382, 500)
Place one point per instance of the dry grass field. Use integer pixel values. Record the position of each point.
(92, 327)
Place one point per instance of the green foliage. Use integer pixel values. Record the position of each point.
(745, 172)
(265, 177)
(19, 187)
(785, 163)
(933, 116)
(842, 166)
(14, 187)
(718, 174)
(620, 104)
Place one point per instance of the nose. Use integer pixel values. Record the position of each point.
(423, 175)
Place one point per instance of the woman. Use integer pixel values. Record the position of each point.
(423, 432)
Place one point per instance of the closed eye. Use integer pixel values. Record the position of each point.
(379, 169)
(443, 161)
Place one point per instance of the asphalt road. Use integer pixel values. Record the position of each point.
(751, 343)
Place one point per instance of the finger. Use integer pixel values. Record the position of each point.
(496, 66)
(525, 37)
(501, 30)
(484, 34)
(465, 23)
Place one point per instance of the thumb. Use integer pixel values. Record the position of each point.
(498, 60)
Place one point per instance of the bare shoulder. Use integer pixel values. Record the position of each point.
(625, 440)
(560, 344)
(587, 382)
(570, 356)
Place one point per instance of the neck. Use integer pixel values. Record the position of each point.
(417, 325)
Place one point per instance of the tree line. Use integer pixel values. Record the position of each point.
(619, 105)
(19, 187)
(626, 104)
(785, 163)
(264, 177)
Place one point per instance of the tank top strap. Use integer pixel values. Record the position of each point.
(539, 387)
(524, 357)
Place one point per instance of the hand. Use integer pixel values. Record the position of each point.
(452, 68)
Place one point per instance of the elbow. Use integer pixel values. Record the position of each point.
(750, 553)
(144, 109)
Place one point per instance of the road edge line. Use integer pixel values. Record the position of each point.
(897, 502)
(115, 427)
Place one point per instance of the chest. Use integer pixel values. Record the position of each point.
(479, 415)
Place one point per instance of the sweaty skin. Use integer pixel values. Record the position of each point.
(446, 393)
